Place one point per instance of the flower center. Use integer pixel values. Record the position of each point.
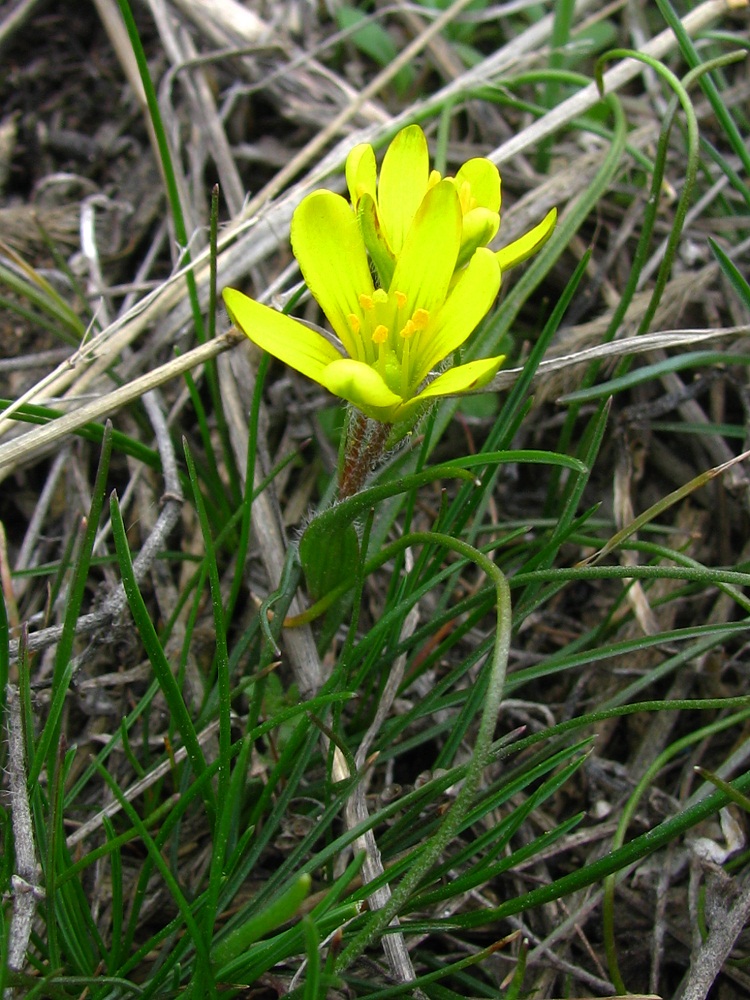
(384, 328)
(385, 319)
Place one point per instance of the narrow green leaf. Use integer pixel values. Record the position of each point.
(735, 278)
(282, 909)
(312, 950)
(46, 750)
(156, 655)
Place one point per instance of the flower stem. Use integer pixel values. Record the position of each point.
(363, 448)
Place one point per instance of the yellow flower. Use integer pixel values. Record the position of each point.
(391, 337)
(434, 279)
(386, 205)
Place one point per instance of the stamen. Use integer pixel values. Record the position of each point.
(400, 299)
(380, 334)
(366, 301)
(421, 318)
(408, 330)
(380, 296)
(405, 366)
(353, 322)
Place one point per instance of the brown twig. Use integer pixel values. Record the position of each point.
(728, 910)
(394, 944)
(25, 883)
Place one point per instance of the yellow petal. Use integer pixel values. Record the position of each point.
(327, 242)
(362, 386)
(483, 178)
(479, 227)
(528, 244)
(286, 339)
(467, 304)
(361, 172)
(462, 378)
(403, 183)
(375, 240)
(425, 266)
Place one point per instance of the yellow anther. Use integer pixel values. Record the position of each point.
(400, 299)
(380, 296)
(366, 301)
(409, 329)
(353, 322)
(420, 319)
(380, 334)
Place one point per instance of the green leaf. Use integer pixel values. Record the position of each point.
(282, 909)
(731, 273)
(329, 555)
